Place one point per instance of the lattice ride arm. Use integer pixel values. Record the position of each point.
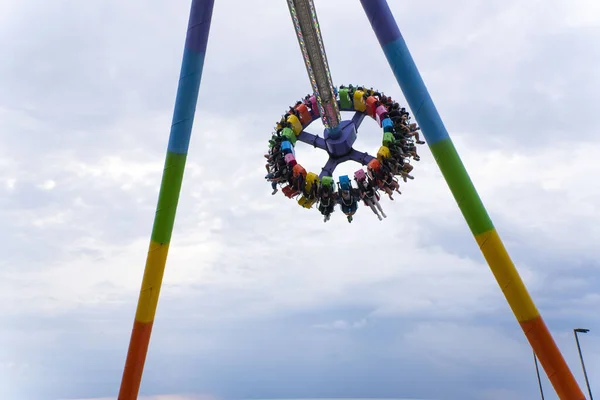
(311, 44)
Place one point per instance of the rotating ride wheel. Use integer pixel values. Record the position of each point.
(398, 148)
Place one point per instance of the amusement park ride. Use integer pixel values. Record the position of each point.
(398, 145)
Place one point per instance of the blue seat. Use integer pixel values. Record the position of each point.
(287, 147)
(345, 183)
(387, 124)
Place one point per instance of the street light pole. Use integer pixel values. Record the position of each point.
(537, 371)
(587, 382)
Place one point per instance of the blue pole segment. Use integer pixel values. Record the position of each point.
(405, 70)
(334, 133)
(190, 75)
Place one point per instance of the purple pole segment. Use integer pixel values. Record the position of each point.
(360, 157)
(199, 25)
(341, 144)
(312, 139)
(357, 156)
(383, 23)
(358, 118)
(329, 167)
(354, 155)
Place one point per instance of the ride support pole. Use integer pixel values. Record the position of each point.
(308, 32)
(168, 198)
(439, 141)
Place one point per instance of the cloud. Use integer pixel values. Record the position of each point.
(163, 397)
(261, 299)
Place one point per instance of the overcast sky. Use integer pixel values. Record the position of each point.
(261, 299)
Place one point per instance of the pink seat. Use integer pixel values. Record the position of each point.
(290, 160)
(360, 175)
(380, 114)
(314, 107)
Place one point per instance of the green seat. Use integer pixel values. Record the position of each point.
(327, 181)
(388, 139)
(345, 100)
(289, 135)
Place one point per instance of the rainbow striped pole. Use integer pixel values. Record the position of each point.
(414, 90)
(179, 139)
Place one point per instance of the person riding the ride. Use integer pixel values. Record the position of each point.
(404, 169)
(390, 184)
(412, 150)
(414, 131)
(392, 164)
(298, 183)
(275, 176)
(311, 193)
(347, 197)
(384, 178)
(270, 177)
(348, 202)
(326, 199)
(272, 157)
(369, 195)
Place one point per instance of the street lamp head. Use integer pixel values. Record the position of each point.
(581, 330)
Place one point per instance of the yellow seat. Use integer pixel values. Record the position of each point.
(311, 179)
(359, 101)
(306, 202)
(296, 124)
(383, 153)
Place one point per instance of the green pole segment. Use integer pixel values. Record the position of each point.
(170, 188)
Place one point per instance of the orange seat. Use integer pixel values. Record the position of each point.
(374, 164)
(305, 117)
(371, 105)
(299, 170)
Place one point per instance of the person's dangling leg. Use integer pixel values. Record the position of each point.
(371, 204)
(380, 208)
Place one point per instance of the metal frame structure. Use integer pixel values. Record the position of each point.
(587, 381)
(304, 17)
(409, 79)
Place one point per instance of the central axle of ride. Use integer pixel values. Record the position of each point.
(339, 147)
(306, 23)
